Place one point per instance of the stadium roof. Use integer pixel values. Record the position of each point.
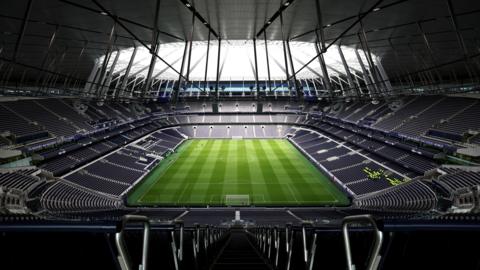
(82, 28)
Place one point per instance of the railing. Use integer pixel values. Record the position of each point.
(374, 258)
(123, 258)
(203, 239)
(268, 241)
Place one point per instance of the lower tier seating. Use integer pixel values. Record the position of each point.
(65, 197)
(412, 196)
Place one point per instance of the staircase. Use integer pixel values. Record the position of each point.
(239, 253)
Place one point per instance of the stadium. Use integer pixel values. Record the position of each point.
(239, 134)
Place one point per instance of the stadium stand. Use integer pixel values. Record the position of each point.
(412, 196)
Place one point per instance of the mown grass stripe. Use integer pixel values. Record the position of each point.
(272, 172)
(217, 179)
(275, 192)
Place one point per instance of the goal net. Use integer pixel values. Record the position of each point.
(237, 200)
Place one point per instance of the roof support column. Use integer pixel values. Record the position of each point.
(297, 89)
(178, 86)
(256, 66)
(190, 47)
(206, 62)
(384, 76)
(368, 53)
(218, 68)
(106, 59)
(366, 78)
(323, 66)
(351, 84)
(284, 52)
(127, 72)
(151, 67)
(268, 62)
(108, 81)
(153, 51)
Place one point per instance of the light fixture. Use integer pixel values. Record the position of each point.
(269, 22)
(328, 25)
(376, 9)
(287, 3)
(103, 13)
(188, 4)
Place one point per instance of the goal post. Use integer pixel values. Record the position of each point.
(237, 200)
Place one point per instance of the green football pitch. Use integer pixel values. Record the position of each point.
(219, 172)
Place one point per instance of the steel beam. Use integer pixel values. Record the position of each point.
(284, 49)
(108, 81)
(115, 18)
(190, 47)
(397, 61)
(96, 11)
(429, 49)
(195, 13)
(368, 53)
(351, 84)
(127, 72)
(346, 19)
(293, 70)
(153, 50)
(268, 62)
(321, 60)
(178, 86)
(45, 59)
(256, 66)
(218, 68)
(108, 53)
(362, 15)
(277, 14)
(461, 41)
(320, 27)
(23, 28)
(384, 76)
(366, 78)
(206, 63)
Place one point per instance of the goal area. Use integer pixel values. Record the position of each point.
(237, 200)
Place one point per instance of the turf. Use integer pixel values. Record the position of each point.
(272, 172)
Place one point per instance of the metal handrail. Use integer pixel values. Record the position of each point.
(124, 260)
(374, 255)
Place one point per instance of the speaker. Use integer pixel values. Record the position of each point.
(259, 107)
(215, 107)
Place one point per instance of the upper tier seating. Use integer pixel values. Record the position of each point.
(61, 108)
(15, 124)
(33, 111)
(414, 107)
(442, 110)
(465, 120)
